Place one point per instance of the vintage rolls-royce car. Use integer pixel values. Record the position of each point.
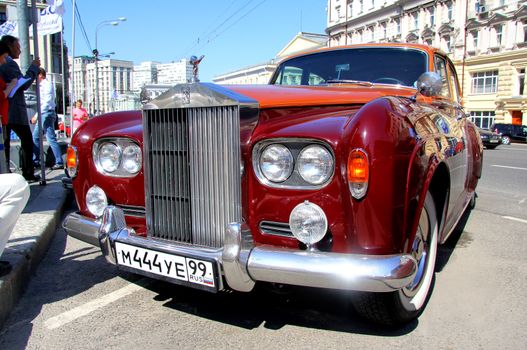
(345, 172)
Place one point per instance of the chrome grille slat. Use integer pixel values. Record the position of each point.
(192, 161)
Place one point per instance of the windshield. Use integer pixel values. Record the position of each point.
(398, 66)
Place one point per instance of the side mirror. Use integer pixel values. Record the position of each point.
(429, 84)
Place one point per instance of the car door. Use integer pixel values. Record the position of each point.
(457, 157)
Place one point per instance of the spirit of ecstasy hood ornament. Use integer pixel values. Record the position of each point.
(195, 61)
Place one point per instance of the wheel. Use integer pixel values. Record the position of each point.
(402, 306)
(506, 140)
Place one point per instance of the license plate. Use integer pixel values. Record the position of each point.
(195, 272)
(493, 141)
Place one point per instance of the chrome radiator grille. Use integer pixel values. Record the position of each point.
(192, 173)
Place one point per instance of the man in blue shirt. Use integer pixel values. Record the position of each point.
(47, 109)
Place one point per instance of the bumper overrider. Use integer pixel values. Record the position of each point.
(242, 263)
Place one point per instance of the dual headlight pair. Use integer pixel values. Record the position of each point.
(117, 157)
(293, 164)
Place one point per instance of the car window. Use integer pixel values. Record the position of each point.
(454, 83)
(440, 68)
(395, 66)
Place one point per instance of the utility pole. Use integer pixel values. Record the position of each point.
(23, 33)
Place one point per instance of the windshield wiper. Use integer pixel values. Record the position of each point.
(346, 81)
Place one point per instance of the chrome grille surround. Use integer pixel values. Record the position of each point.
(192, 157)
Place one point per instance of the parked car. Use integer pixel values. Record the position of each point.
(345, 172)
(489, 139)
(510, 132)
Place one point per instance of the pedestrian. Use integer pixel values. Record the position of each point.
(48, 115)
(17, 115)
(5, 89)
(14, 193)
(80, 115)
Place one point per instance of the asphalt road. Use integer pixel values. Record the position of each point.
(78, 301)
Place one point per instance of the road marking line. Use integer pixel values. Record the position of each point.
(509, 167)
(87, 308)
(515, 219)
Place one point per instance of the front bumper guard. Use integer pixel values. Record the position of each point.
(242, 263)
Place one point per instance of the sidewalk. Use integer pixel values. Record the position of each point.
(31, 237)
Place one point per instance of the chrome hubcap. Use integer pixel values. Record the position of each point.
(420, 250)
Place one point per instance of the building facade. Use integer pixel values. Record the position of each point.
(486, 39)
(115, 81)
(144, 74)
(174, 72)
(261, 73)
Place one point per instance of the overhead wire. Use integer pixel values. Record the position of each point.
(211, 35)
(81, 25)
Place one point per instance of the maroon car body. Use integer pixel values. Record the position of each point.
(212, 167)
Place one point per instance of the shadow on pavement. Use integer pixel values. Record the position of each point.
(302, 307)
(59, 276)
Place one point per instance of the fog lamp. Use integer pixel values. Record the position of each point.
(308, 223)
(96, 200)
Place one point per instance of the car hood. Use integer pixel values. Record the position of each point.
(273, 96)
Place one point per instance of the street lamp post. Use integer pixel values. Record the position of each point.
(96, 55)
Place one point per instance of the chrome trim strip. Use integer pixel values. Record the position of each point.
(243, 263)
(260, 146)
(82, 228)
(331, 270)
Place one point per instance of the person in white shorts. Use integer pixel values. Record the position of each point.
(14, 193)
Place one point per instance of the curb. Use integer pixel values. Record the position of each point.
(29, 241)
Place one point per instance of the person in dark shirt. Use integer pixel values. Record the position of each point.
(17, 116)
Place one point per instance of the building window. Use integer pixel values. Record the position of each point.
(450, 7)
(525, 31)
(415, 19)
(383, 30)
(521, 81)
(3, 17)
(483, 119)
(447, 43)
(370, 34)
(475, 39)
(361, 6)
(499, 34)
(350, 8)
(485, 82)
(432, 12)
(398, 25)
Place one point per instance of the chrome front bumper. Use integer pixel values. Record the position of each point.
(242, 263)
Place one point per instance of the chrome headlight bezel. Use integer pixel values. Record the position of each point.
(295, 180)
(120, 144)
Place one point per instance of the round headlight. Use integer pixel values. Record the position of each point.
(132, 158)
(315, 164)
(109, 157)
(308, 223)
(276, 163)
(96, 200)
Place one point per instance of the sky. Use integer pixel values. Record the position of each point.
(232, 34)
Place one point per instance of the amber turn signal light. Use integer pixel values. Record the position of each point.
(358, 173)
(71, 161)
